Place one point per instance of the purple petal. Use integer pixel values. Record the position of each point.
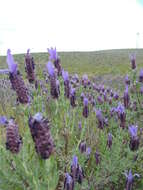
(88, 151)
(53, 54)
(10, 61)
(3, 120)
(50, 68)
(38, 116)
(85, 77)
(85, 102)
(72, 92)
(68, 178)
(65, 75)
(28, 51)
(4, 71)
(75, 161)
(133, 131)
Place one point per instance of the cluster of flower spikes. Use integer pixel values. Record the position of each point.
(29, 67)
(40, 131)
(76, 175)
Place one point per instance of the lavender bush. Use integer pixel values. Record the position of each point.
(68, 132)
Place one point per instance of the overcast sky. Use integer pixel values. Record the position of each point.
(70, 25)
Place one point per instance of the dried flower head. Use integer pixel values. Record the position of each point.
(40, 131)
(13, 139)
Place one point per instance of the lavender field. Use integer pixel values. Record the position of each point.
(69, 124)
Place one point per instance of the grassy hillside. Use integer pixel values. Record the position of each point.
(107, 66)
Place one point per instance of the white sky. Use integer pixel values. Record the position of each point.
(70, 25)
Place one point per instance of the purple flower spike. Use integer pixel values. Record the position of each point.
(133, 131)
(129, 179)
(75, 161)
(65, 75)
(133, 61)
(72, 92)
(85, 107)
(141, 75)
(109, 141)
(82, 146)
(85, 101)
(127, 80)
(134, 140)
(10, 61)
(121, 114)
(88, 151)
(28, 51)
(97, 157)
(100, 119)
(69, 182)
(50, 68)
(126, 97)
(53, 54)
(3, 120)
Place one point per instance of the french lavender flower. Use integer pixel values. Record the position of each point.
(53, 56)
(110, 100)
(84, 80)
(134, 139)
(16, 80)
(127, 80)
(141, 76)
(82, 96)
(88, 152)
(100, 119)
(54, 85)
(111, 93)
(69, 182)
(112, 111)
(85, 112)
(82, 146)
(76, 171)
(133, 61)
(40, 131)
(72, 97)
(126, 97)
(100, 100)
(65, 76)
(109, 140)
(13, 139)
(121, 115)
(97, 157)
(105, 96)
(130, 179)
(29, 67)
(116, 96)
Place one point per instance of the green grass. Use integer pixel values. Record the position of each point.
(107, 66)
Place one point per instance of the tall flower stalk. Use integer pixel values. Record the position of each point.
(16, 80)
(54, 83)
(29, 67)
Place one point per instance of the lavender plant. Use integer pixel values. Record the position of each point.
(85, 144)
